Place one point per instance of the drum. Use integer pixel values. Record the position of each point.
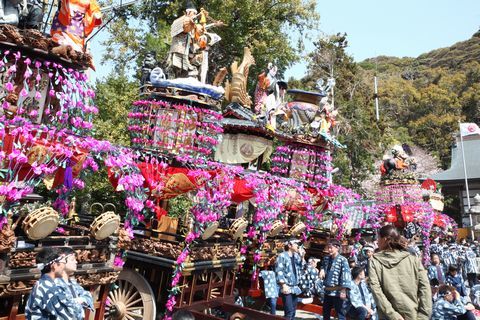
(297, 229)
(237, 228)
(210, 230)
(105, 225)
(41, 222)
(277, 227)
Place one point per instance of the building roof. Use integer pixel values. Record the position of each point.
(472, 158)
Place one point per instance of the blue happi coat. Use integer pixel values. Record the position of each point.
(78, 294)
(356, 300)
(309, 278)
(337, 273)
(457, 282)
(470, 262)
(433, 273)
(284, 271)
(48, 301)
(444, 310)
(269, 283)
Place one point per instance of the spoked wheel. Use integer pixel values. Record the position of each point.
(133, 299)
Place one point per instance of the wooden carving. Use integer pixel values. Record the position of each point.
(236, 91)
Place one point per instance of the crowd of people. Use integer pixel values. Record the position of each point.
(384, 279)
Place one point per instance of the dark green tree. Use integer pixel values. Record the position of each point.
(266, 26)
(356, 127)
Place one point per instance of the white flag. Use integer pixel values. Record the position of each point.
(468, 129)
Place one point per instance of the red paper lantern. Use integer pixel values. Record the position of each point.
(391, 215)
(407, 214)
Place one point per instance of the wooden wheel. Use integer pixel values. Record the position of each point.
(132, 299)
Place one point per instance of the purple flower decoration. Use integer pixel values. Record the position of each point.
(9, 86)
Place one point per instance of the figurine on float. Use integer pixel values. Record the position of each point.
(188, 56)
(149, 63)
(74, 22)
(269, 96)
(266, 81)
(31, 16)
(236, 90)
(399, 161)
(327, 109)
(23, 13)
(309, 116)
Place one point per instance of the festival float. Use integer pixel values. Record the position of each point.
(203, 143)
(413, 207)
(444, 227)
(207, 143)
(45, 130)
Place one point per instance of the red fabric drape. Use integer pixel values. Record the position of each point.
(76, 161)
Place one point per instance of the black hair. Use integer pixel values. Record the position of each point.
(434, 282)
(46, 256)
(356, 272)
(452, 267)
(394, 240)
(183, 315)
(445, 289)
(334, 242)
(66, 250)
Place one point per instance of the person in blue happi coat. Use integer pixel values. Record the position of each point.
(361, 305)
(455, 279)
(270, 287)
(435, 270)
(470, 265)
(309, 278)
(288, 268)
(449, 305)
(337, 278)
(74, 291)
(48, 300)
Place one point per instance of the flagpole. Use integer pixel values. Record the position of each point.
(466, 183)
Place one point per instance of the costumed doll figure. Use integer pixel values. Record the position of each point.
(24, 13)
(184, 31)
(266, 81)
(75, 21)
(149, 63)
(328, 115)
(10, 11)
(31, 15)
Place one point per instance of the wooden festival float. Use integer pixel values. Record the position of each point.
(204, 144)
(45, 125)
(191, 147)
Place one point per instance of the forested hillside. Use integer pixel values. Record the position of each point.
(429, 94)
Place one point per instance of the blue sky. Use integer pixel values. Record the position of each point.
(381, 27)
(404, 28)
